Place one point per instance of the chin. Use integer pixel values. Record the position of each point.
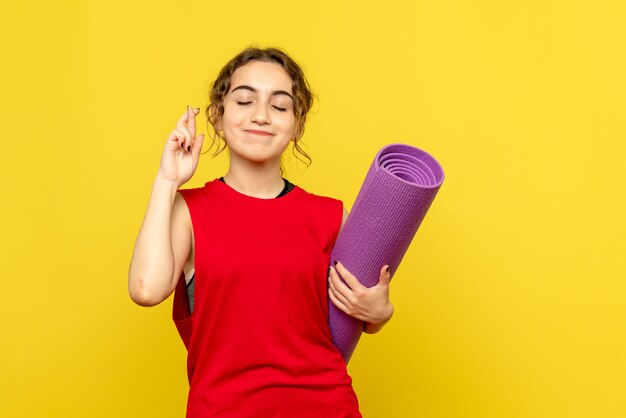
(256, 158)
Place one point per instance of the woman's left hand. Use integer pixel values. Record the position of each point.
(370, 305)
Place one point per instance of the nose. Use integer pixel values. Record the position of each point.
(261, 115)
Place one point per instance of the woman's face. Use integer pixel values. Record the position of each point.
(258, 120)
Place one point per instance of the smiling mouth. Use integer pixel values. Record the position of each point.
(259, 133)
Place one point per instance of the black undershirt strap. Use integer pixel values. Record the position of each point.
(288, 187)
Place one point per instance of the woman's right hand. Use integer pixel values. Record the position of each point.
(182, 150)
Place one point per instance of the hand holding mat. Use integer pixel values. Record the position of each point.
(394, 198)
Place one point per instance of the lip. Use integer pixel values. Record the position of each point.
(261, 133)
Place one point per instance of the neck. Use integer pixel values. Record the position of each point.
(262, 180)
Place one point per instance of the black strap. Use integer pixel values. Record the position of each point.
(288, 187)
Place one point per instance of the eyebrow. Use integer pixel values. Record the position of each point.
(252, 89)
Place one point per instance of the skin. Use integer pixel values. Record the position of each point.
(371, 305)
(258, 123)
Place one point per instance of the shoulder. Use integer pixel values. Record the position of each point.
(327, 207)
(327, 214)
(194, 193)
(321, 202)
(191, 202)
(209, 185)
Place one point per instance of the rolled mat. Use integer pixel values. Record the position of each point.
(392, 202)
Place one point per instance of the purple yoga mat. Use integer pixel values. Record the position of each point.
(394, 198)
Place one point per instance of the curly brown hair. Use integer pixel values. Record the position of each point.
(303, 96)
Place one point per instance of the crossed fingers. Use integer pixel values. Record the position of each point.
(185, 131)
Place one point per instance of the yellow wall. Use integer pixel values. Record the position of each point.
(510, 302)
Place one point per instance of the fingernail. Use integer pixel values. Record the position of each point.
(181, 145)
(387, 269)
(329, 271)
(188, 147)
(335, 262)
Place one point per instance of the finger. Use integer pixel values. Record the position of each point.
(181, 137)
(340, 286)
(188, 138)
(385, 276)
(183, 119)
(337, 293)
(196, 147)
(176, 137)
(338, 303)
(191, 121)
(348, 277)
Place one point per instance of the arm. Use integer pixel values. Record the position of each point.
(370, 305)
(371, 328)
(162, 247)
(164, 241)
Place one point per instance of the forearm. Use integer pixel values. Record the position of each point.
(152, 264)
(370, 328)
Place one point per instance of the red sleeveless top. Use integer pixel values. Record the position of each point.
(258, 339)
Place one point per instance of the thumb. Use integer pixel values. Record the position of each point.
(385, 276)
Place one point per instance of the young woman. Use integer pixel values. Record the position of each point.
(256, 249)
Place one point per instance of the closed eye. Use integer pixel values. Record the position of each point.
(280, 109)
(243, 103)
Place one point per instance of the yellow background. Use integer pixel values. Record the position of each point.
(511, 300)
